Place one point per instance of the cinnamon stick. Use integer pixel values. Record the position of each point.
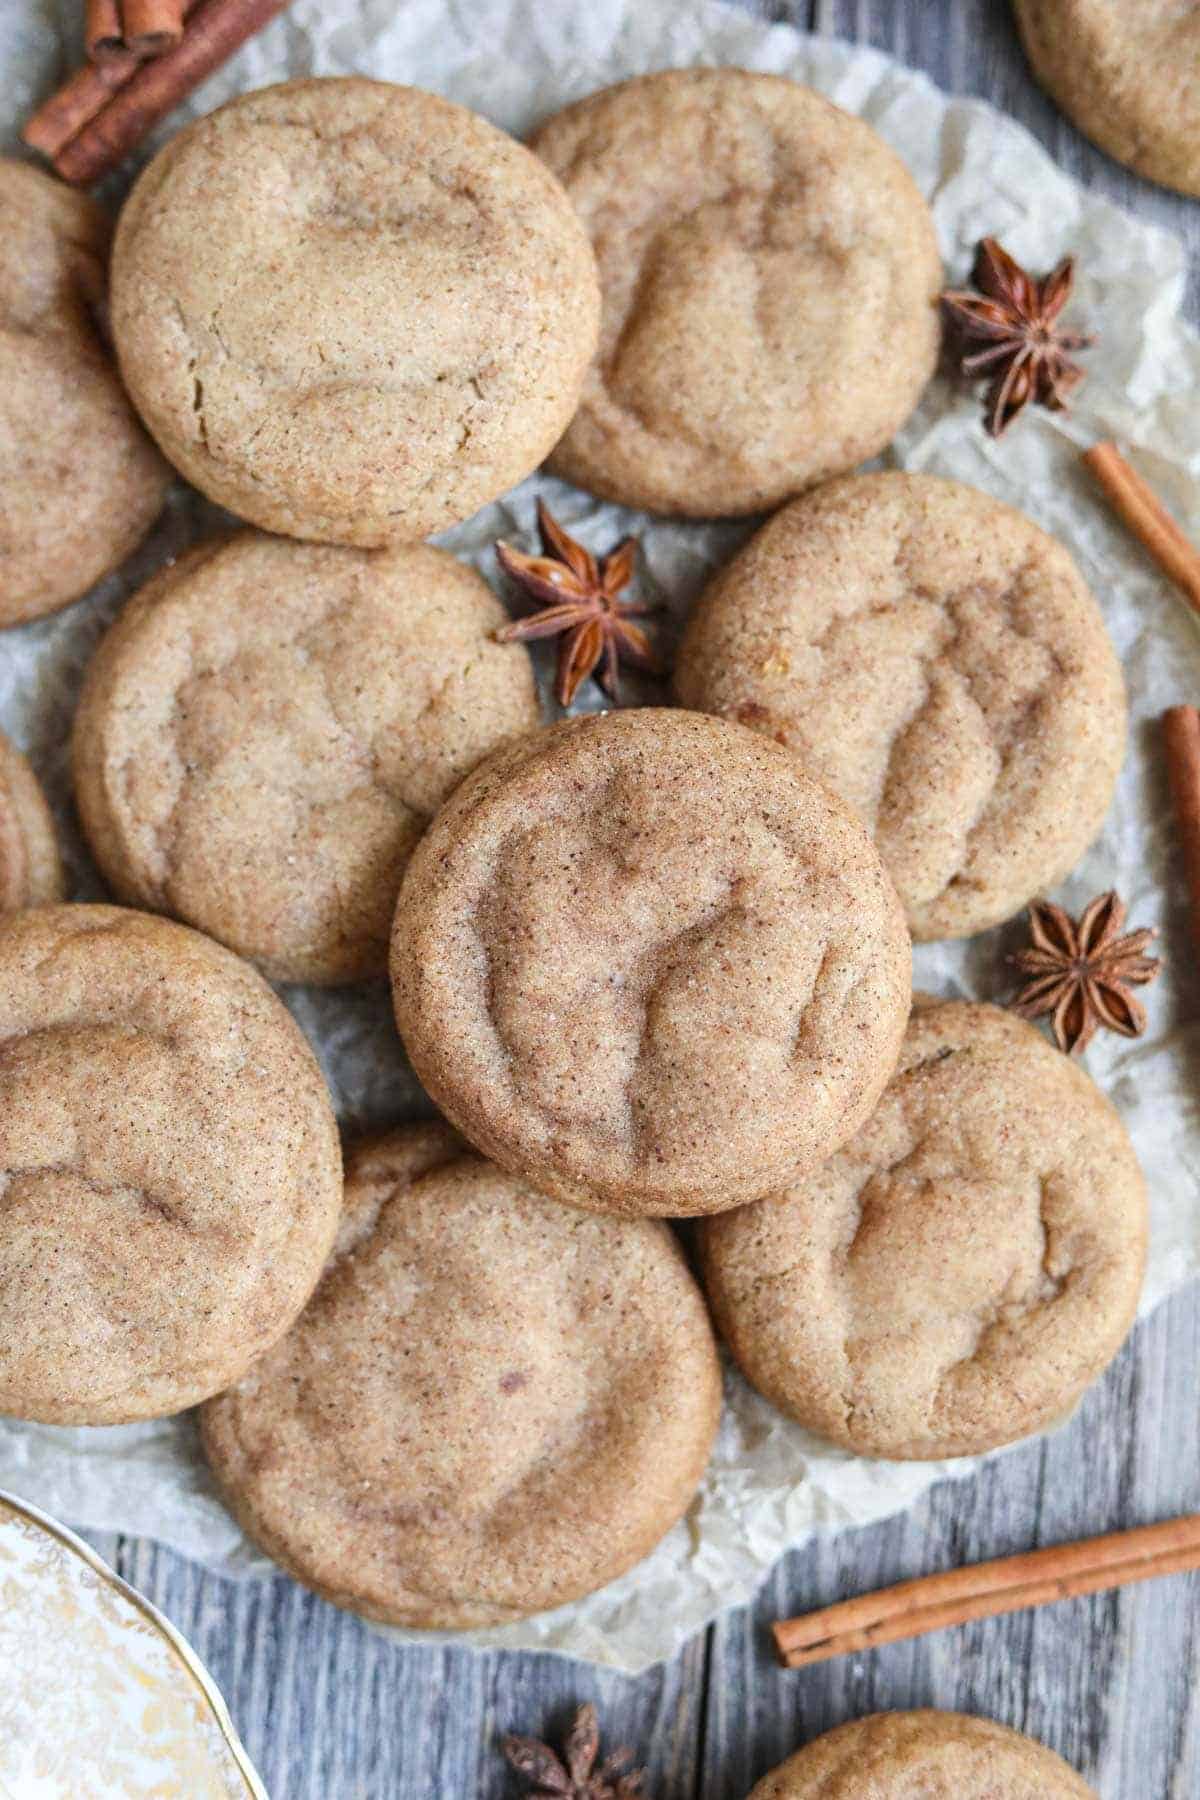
(152, 27)
(103, 38)
(214, 30)
(1143, 513)
(984, 1590)
(64, 115)
(1181, 740)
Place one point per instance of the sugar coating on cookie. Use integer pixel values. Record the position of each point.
(82, 483)
(1126, 75)
(351, 311)
(31, 871)
(769, 272)
(923, 1755)
(266, 730)
(939, 661)
(644, 961)
(492, 1404)
(956, 1275)
(172, 1174)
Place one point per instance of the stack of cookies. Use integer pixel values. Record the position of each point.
(649, 965)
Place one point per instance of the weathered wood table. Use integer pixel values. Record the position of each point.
(331, 1711)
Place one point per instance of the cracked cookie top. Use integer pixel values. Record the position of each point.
(491, 1405)
(923, 1755)
(961, 1270)
(769, 274)
(170, 1177)
(1126, 75)
(80, 482)
(267, 728)
(645, 962)
(939, 661)
(351, 311)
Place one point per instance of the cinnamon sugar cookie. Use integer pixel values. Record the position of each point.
(267, 728)
(956, 1275)
(1126, 75)
(491, 1405)
(923, 1755)
(172, 1177)
(351, 311)
(30, 867)
(646, 963)
(938, 660)
(770, 276)
(80, 483)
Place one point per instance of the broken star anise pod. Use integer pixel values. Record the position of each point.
(1083, 972)
(578, 1774)
(1009, 332)
(578, 595)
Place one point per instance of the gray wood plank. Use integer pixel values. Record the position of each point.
(330, 1708)
(1108, 1681)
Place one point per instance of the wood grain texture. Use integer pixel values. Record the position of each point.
(330, 1710)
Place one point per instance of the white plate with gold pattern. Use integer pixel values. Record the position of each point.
(100, 1698)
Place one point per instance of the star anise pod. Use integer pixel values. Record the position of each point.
(578, 1774)
(1014, 316)
(578, 595)
(1083, 972)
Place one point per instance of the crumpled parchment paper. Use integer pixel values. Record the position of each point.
(770, 1484)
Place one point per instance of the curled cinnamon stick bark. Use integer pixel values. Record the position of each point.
(1181, 739)
(214, 31)
(103, 36)
(983, 1590)
(152, 27)
(64, 115)
(1143, 513)
(61, 117)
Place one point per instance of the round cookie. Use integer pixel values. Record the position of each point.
(938, 660)
(30, 867)
(645, 962)
(172, 1176)
(1126, 76)
(769, 274)
(490, 1406)
(957, 1275)
(923, 1755)
(351, 311)
(80, 482)
(267, 728)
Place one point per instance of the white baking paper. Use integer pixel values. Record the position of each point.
(770, 1484)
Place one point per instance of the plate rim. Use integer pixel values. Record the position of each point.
(192, 1665)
